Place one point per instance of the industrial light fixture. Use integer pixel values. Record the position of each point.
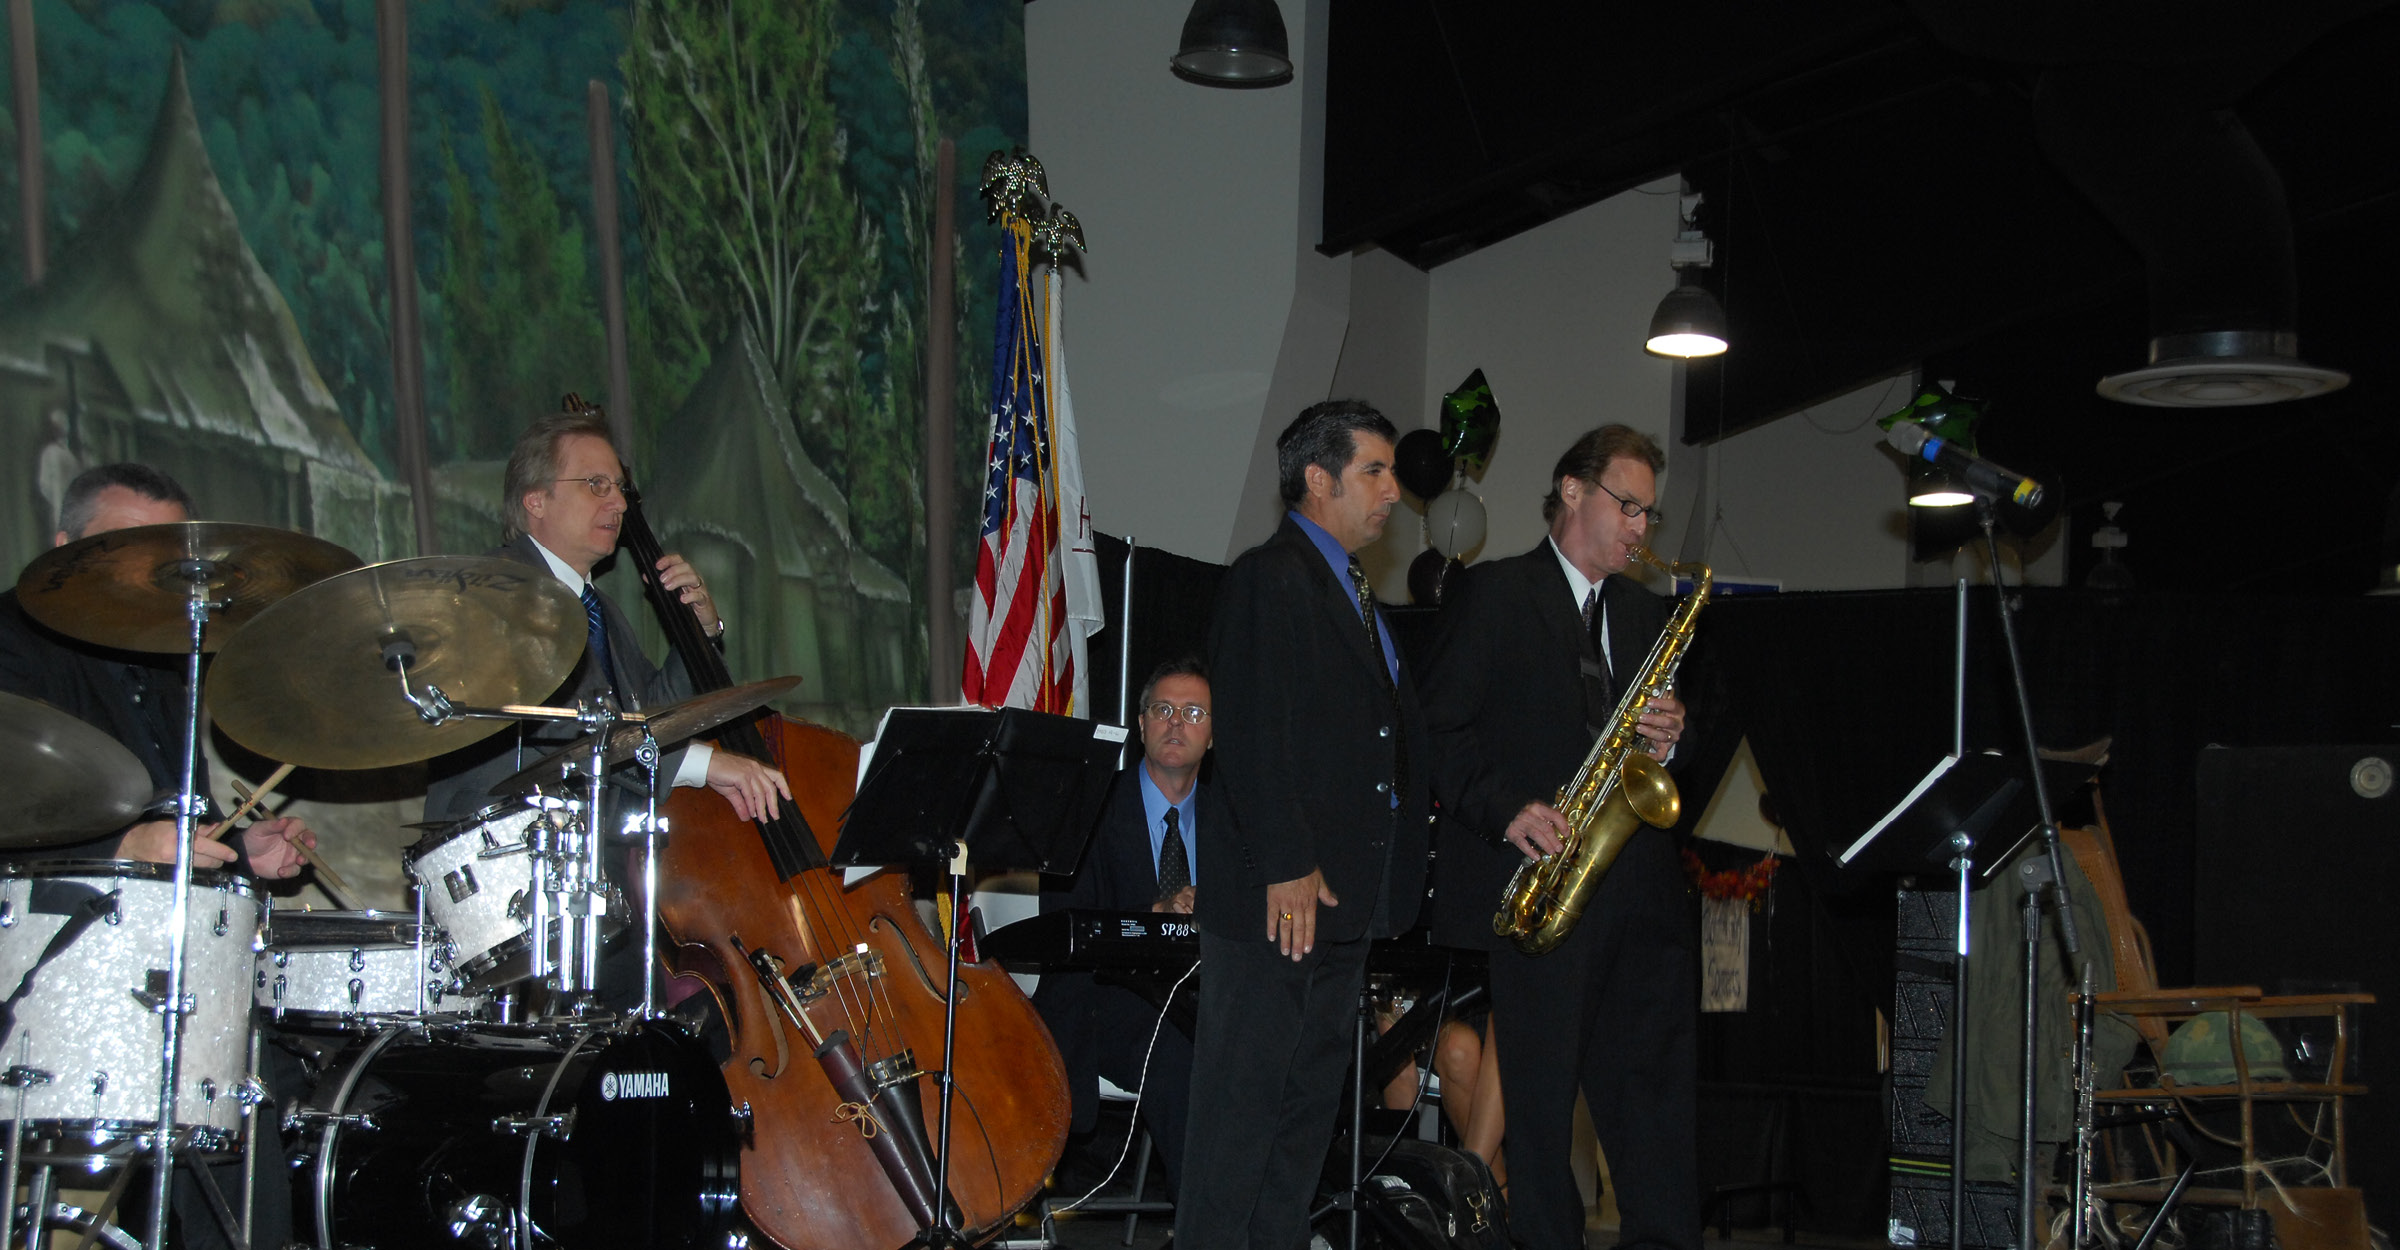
(1689, 322)
(1234, 43)
(1935, 488)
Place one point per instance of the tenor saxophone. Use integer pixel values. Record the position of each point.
(1618, 789)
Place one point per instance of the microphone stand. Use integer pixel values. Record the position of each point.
(2028, 1186)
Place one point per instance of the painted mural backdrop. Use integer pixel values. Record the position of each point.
(216, 297)
(216, 301)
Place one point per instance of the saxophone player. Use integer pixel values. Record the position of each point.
(1529, 661)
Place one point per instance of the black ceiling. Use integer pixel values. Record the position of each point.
(1883, 185)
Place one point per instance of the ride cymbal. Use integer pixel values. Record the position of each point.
(688, 718)
(309, 681)
(132, 588)
(68, 779)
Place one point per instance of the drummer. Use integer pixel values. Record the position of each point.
(139, 699)
(564, 495)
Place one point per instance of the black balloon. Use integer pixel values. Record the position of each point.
(1430, 577)
(1424, 468)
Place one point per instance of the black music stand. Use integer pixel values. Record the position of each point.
(1013, 788)
(1022, 789)
(1963, 802)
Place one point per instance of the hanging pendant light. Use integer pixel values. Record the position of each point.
(1234, 43)
(1689, 322)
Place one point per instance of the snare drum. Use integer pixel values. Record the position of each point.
(83, 947)
(350, 969)
(585, 1138)
(476, 877)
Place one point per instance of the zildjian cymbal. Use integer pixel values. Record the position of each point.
(316, 680)
(67, 779)
(670, 725)
(132, 588)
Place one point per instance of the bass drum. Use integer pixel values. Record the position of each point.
(587, 1139)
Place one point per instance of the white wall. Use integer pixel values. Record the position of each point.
(1192, 200)
(1555, 319)
(1204, 320)
(1813, 500)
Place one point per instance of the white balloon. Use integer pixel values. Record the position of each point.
(1454, 522)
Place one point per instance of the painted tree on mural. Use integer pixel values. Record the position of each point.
(519, 324)
(748, 217)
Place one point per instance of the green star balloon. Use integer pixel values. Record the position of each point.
(1470, 422)
(1944, 415)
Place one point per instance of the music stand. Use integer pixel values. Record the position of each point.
(1013, 788)
(1962, 802)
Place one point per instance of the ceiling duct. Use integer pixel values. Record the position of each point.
(2139, 117)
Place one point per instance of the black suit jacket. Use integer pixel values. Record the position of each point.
(1305, 751)
(1116, 874)
(462, 780)
(1504, 700)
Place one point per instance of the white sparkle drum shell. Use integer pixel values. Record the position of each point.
(476, 876)
(83, 950)
(357, 969)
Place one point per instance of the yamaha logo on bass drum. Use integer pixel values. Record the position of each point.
(616, 1085)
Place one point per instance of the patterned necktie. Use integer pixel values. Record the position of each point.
(599, 636)
(1598, 703)
(1383, 669)
(1174, 864)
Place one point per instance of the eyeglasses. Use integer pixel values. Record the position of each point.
(1163, 712)
(1630, 508)
(600, 484)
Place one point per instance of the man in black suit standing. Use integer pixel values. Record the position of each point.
(1526, 669)
(1140, 858)
(565, 498)
(1327, 843)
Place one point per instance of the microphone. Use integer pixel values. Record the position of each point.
(1918, 443)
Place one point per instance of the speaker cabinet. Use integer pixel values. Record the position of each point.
(2295, 862)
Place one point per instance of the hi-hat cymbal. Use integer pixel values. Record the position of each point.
(68, 779)
(132, 588)
(308, 681)
(671, 724)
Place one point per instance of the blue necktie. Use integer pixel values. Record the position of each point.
(599, 636)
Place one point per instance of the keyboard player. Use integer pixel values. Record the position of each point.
(1140, 857)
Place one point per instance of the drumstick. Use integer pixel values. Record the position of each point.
(252, 798)
(327, 878)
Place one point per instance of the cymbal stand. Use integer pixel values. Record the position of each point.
(20, 1077)
(572, 889)
(646, 755)
(2028, 1185)
(171, 1007)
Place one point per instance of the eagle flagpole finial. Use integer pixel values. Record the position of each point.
(1014, 184)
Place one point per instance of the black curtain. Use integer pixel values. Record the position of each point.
(1846, 701)
(1173, 597)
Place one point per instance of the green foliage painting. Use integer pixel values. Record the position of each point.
(775, 164)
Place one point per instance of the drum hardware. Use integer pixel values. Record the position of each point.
(151, 588)
(683, 719)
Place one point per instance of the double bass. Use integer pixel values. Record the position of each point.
(834, 997)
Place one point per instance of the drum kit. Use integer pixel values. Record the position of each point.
(479, 1093)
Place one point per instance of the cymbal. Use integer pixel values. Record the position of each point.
(131, 588)
(68, 779)
(307, 682)
(671, 724)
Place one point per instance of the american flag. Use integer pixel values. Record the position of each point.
(1021, 645)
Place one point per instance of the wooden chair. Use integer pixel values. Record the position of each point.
(2155, 1011)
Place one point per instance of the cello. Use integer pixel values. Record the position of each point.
(832, 995)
